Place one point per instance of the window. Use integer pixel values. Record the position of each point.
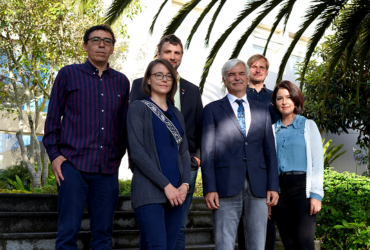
(293, 60)
(271, 55)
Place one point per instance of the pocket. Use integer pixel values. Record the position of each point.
(262, 165)
(116, 101)
(222, 164)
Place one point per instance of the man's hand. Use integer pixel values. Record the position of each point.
(173, 195)
(56, 164)
(184, 191)
(272, 198)
(212, 201)
(315, 206)
(198, 160)
(269, 212)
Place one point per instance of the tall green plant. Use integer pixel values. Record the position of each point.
(331, 152)
(347, 90)
(11, 172)
(18, 183)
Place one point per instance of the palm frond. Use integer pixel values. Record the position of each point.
(363, 53)
(330, 149)
(116, 10)
(180, 17)
(355, 15)
(326, 18)
(311, 14)
(267, 8)
(335, 150)
(249, 8)
(198, 22)
(287, 16)
(80, 6)
(214, 18)
(156, 16)
(327, 144)
(348, 56)
(285, 10)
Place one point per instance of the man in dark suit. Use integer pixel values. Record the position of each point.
(239, 165)
(189, 102)
(257, 91)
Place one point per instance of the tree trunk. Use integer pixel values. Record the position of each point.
(31, 151)
(38, 152)
(30, 167)
(45, 166)
(368, 155)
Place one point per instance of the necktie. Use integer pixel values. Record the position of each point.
(241, 117)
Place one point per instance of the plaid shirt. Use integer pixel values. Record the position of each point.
(86, 120)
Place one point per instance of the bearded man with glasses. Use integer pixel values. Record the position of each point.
(86, 138)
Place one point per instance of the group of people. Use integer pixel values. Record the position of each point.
(261, 161)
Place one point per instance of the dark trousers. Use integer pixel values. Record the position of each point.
(159, 226)
(292, 214)
(100, 192)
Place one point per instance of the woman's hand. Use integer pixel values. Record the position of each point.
(315, 206)
(184, 191)
(173, 195)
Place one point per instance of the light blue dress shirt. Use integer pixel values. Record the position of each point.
(291, 147)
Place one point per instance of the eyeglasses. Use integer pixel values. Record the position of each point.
(97, 41)
(159, 76)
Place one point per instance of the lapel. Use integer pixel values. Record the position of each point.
(225, 104)
(183, 90)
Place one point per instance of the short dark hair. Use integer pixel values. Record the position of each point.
(172, 39)
(257, 57)
(146, 87)
(98, 27)
(295, 94)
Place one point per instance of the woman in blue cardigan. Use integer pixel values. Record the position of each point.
(159, 158)
(301, 169)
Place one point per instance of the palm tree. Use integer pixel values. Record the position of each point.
(353, 27)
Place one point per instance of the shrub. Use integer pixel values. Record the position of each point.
(124, 187)
(198, 191)
(346, 200)
(14, 191)
(11, 172)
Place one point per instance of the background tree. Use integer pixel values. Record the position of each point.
(37, 38)
(348, 102)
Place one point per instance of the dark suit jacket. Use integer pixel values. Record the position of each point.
(227, 157)
(191, 108)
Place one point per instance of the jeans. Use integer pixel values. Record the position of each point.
(180, 245)
(100, 192)
(270, 235)
(159, 226)
(292, 214)
(226, 220)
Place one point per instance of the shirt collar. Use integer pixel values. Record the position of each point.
(249, 89)
(233, 98)
(167, 100)
(95, 69)
(298, 122)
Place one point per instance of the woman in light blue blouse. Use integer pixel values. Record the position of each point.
(301, 169)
